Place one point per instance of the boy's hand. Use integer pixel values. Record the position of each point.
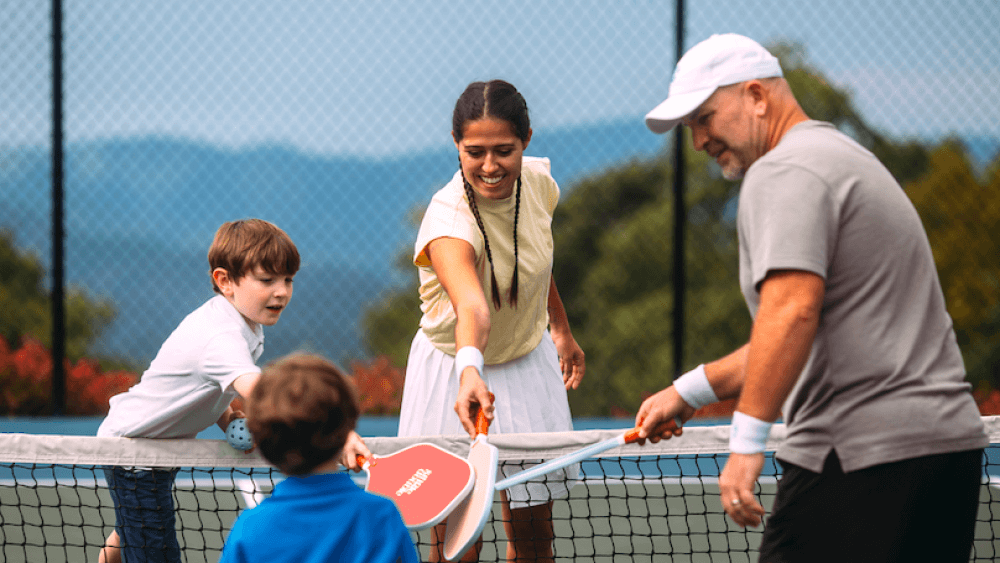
(229, 416)
(354, 447)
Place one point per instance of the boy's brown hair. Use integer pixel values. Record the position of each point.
(240, 246)
(301, 411)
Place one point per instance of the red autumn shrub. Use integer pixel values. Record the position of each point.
(988, 400)
(5, 355)
(32, 361)
(88, 388)
(380, 386)
(26, 380)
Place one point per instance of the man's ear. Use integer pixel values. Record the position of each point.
(758, 94)
(223, 281)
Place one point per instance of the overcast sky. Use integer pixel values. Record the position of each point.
(380, 77)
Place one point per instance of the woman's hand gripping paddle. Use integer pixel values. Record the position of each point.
(468, 519)
(425, 481)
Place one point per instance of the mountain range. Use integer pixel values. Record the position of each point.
(141, 212)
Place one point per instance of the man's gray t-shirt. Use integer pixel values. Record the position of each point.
(885, 379)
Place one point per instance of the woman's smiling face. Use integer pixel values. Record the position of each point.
(490, 154)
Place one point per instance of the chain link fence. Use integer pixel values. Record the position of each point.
(332, 119)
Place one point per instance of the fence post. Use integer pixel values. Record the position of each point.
(58, 233)
(680, 219)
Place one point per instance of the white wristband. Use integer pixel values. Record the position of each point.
(694, 388)
(748, 435)
(468, 356)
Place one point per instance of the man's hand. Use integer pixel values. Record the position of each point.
(736, 485)
(659, 409)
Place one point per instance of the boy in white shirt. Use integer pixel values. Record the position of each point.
(207, 361)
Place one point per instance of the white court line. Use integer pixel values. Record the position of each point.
(251, 493)
(221, 484)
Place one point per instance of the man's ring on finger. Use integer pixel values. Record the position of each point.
(735, 501)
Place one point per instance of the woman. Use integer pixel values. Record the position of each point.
(493, 320)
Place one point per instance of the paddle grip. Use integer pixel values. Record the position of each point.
(483, 423)
(632, 436)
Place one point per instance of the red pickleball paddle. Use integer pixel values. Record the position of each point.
(425, 481)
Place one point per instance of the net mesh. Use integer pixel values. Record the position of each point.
(657, 502)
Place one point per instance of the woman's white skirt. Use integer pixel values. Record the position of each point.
(530, 397)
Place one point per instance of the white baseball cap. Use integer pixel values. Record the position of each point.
(717, 61)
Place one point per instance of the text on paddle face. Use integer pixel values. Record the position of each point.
(413, 483)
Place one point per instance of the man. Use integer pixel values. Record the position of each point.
(851, 342)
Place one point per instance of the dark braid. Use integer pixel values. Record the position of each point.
(470, 193)
(500, 100)
(517, 211)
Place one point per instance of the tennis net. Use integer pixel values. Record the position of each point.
(657, 502)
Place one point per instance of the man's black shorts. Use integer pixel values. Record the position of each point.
(920, 509)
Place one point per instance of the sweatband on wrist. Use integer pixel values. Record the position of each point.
(694, 388)
(748, 435)
(468, 356)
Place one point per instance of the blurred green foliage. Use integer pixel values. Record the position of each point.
(388, 325)
(960, 209)
(25, 304)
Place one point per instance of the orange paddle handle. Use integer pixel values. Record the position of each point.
(483, 423)
(632, 435)
(361, 459)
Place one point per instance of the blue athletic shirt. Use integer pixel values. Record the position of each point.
(320, 518)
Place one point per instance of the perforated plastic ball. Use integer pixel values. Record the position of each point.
(238, 436)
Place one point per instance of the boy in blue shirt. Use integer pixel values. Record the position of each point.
(302, 412)
(207, 361)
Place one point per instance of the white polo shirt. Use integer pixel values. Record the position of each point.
(189, 384)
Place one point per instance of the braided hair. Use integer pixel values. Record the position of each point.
(497, 100)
